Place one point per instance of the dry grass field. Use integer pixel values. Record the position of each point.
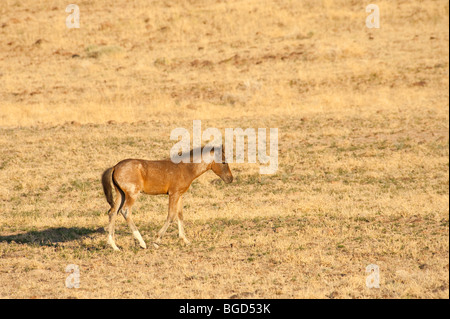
(363, 121)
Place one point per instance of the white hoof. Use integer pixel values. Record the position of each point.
(138, 236)
(112, 243)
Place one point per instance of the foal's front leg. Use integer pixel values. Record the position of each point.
(173, 204)
(181, 223)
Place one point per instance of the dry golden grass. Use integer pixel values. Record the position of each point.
(363, 172)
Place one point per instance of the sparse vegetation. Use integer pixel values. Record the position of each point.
(363, 125)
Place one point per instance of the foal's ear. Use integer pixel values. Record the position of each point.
(217, 150)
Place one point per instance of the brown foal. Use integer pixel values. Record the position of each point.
(133, 176)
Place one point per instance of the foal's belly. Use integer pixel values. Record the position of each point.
(156, 185)
(160, 177)
(155, 190)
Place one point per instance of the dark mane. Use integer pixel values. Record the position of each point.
(192, 152)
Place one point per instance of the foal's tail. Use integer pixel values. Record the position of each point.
(107, 182)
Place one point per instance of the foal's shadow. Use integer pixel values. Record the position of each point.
(51, 236)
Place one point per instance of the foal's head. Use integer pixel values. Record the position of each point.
(222, 169)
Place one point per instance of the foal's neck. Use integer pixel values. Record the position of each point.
(198, 169)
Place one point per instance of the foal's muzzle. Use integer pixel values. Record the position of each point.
(228, 179)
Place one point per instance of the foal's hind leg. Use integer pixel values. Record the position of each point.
(126, 212)
(112, 219)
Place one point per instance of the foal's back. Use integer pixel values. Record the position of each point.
(150, 177)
